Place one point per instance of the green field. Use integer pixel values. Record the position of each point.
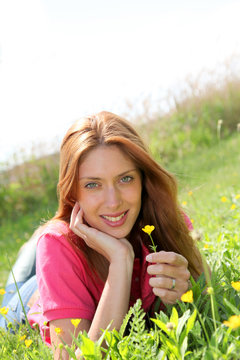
(209, 191)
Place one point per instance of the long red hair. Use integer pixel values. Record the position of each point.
(159, 189)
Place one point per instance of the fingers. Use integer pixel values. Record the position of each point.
(169, 257)
(169, 296)
(170, 275)
(163, 287)
(169, 270)
(76, 221)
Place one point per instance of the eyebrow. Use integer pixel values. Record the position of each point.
(98, 178)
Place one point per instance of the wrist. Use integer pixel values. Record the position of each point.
(120, 265)
(124, 253)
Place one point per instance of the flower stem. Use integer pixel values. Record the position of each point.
(202, 323)
(153, 245)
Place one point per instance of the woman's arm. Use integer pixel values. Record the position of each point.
(114, 301)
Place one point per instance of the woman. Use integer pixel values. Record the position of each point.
(93, 259)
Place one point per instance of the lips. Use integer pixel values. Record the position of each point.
(115, 219)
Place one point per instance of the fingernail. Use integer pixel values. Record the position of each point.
(149, 257)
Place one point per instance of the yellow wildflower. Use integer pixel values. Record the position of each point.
(233, 322)
(187, 297)
(237, 196)
(58, 330)
(192, 221)
(233, 206)
(148, 229)
(190, 193)
(23, 337)
(236, 285)
(4, 310)
(28, 342)
(2, 292)
(224, 199)
(206, 246)
(75, 322)
(184, 203)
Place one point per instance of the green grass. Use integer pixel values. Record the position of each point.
(204, 177)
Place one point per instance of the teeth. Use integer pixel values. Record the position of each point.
(113, 219)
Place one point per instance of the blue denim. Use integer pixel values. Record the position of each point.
(16, 314)
(24, 271)
(25, 265)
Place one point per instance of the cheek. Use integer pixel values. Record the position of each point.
(135, 198)
(88, 204)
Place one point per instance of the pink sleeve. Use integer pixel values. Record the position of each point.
(62, 280)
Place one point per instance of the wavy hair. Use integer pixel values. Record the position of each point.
(159, 188)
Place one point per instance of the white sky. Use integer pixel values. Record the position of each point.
(62, 59)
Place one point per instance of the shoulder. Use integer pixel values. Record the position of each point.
(55, 231)
(56, 241)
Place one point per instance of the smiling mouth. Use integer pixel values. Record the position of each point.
(114, 218)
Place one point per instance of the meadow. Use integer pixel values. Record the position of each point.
(199, 142)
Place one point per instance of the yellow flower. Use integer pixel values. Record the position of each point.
(75, 322)
(206, 246)
(4, 310)
(148, 229)
(23, 337)
(58, 330)
(224, 199)
(233, 322)
(187, 297)
(236, 285)
(192, 221)
(28, 342)
(237, 196)
(190, 193)
(184, 203)
(233, 206)
(2, 292)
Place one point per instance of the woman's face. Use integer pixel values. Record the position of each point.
(110, 190)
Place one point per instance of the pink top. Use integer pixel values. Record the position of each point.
(66, 284)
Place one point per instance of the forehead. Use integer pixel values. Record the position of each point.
(104, 160)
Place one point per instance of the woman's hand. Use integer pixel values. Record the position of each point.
(108, 246)
(170, 275)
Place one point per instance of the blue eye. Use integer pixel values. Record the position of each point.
(126, 179)
(91, 185)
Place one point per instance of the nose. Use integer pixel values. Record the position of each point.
(113, 197)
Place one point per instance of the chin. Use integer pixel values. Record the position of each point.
(118, 233)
